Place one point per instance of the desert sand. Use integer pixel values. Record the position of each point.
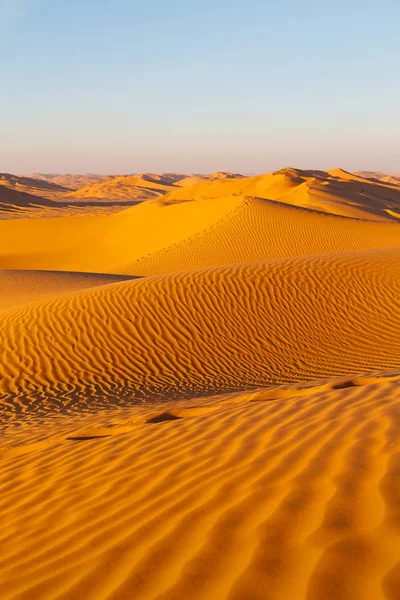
(200, 393)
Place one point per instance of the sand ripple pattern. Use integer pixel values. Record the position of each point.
(196, 333)
(249, 498)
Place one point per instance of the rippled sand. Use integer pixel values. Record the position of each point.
(200, 398)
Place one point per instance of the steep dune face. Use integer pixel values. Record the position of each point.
(214, 330)
(336, 192)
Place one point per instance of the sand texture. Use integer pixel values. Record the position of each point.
(200, 394)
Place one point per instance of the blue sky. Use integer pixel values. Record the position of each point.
(127, 86)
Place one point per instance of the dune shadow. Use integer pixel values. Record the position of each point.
(162, 418)
(83, 438)
(344, 385)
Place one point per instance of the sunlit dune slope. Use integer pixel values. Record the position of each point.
(335, 191)
(213, 330)
(99, 244)
(158, 237)
(251, 497)
(141, 187)
(22, 287)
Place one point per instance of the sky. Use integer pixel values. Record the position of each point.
(122, 86)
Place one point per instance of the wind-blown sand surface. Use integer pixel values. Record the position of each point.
(200, 395)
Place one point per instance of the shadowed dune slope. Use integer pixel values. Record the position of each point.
(156, 237)
(294, 498)
(14, 202)
(214, 330)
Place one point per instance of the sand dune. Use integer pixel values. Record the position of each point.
(99, 243)
(140, 187)
(217, 176)
(379, 176)
(200, 394)
(27, 197)
(207, 331)
(336, 192)
(184, 236)
(261, 229)
(30, 185)
(72, 181)
(234, 498)
(21, 205)
(15, 203)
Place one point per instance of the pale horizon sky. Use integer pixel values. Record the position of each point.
(121, 86)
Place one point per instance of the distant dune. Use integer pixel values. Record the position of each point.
(336, 192)
(196, 179)
(383, 177)
(14, 202)
(140, 187)
(200, 394)
(72, 181)
(37, 187)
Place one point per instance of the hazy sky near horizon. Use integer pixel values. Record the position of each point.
(118, 86)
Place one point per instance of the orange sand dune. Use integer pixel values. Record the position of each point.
(72, 181)
(26, 197)
(21, 205)
(238, 498)
(15, 203)
(140, 187)
(335, 191)
(261, 229)
(207, 331)
(100, 243)
(30, 185)
(184, 236)
(196, 179)
(223, 426)
(383, 177)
